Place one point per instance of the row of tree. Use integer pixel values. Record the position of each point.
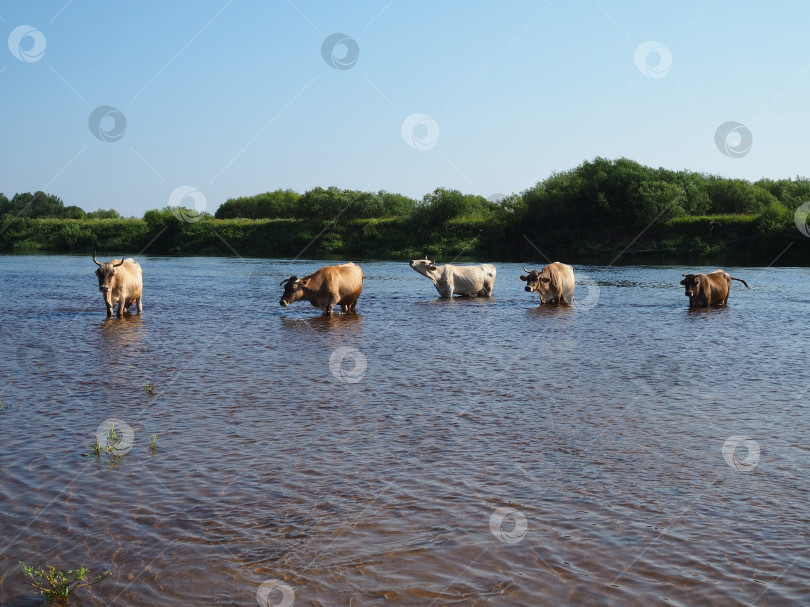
(597, 194)
(624, 193)
(40, 205)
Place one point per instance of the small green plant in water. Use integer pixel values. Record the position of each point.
(150, 388)
(152, 442)
(114, 445)
(95, 449)
(55, 584)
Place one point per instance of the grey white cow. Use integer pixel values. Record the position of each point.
(452, 280)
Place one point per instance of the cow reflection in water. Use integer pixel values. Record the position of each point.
(122, 335)
(328, 287)
(333, 324)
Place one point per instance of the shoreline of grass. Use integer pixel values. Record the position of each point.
(722, 239)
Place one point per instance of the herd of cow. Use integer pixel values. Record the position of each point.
(121, 282)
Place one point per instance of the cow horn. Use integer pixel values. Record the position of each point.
(119, 264)
(527, 271)
(94, 258)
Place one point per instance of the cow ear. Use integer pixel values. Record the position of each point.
(545, 279)
(432, 268)
(524, 278)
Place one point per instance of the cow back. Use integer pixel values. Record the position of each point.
(718, 282)
(561, 276)
(128, 279)
(467, 279)
(346, 281)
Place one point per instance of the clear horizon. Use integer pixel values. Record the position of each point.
(125, 108)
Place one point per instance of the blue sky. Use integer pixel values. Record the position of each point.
(236, 97)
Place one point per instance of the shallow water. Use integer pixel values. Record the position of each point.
(422, 452)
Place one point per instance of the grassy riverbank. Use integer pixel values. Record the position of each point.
(720, 240)
(603, 211)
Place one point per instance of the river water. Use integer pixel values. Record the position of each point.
(624, 451)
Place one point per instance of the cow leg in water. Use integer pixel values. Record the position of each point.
(446, 292)
(332, 303)
(140, 304)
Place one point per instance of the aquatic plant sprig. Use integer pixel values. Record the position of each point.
(58, 585)
(110, 441)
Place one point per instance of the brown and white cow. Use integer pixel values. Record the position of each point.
(452, 280)
(120, 281)
(554, 283)
(705, 290)
(328, 287)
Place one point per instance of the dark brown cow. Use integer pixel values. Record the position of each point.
(554, 283)
(328, 287)
(121, 282)
(705, 290)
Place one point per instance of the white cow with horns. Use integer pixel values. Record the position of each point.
(452, 280)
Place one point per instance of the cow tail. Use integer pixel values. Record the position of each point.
(741, 280)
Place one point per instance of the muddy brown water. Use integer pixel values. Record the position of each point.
(626, 451)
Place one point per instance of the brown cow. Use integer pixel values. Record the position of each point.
(554, 283)
(121, 282)
(328, 287)
(704, 290)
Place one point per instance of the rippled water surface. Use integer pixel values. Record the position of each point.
(422, 452)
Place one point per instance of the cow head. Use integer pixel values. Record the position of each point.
(537, 282)
(691, 282)
(105, 273)
(425, 267)
(293, 290)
